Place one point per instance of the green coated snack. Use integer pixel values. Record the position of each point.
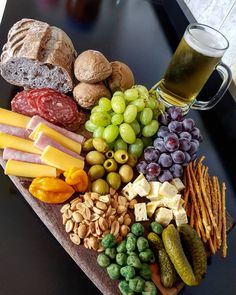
(121, 248)
(147, 256)
(134, 261)
(108, 241)
(113, 271)
(131, 243)
(130, 235)
(156, 227)
(149, 288)
(103, 260)
(142, 244)
(121, 259)
(137, 284)
(124, 288)
(145, 271)
(111, 252)
(137, 229)
(132, 253)
(128, 272)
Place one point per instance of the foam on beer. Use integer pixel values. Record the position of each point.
(204, 43)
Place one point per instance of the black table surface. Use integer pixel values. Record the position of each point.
(139, 34)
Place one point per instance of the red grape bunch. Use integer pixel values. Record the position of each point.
(176, 144)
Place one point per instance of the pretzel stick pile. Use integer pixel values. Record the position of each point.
(205, 206)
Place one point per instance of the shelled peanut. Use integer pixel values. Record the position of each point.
(89, 217)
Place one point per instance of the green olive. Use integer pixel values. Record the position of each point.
(100, 145)
(121, 156)
(114, 180)
(88, 145)
(110, 154)
(110, 165)
(126, 173)
(132, 161)
(96, 171)
(94, 158)
(100, 186)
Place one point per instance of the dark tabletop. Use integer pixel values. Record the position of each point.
(139, 34)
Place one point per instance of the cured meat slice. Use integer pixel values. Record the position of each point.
(20, 104)
(17, 131)
(35, 120)
(34, 94)
(43, 141)
(80, 120)
(12, 154)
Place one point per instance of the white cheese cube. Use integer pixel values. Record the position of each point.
(178, 184)
(152, 206)
(154, 189)
(167, 190)
(173, 203)
(141, 187)
(129, 192)
(140, 212)
(164, 216)
(180, 216)
(141, 176)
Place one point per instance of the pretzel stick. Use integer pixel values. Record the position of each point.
(192, 216)
(212, 248)
(219, 210)
(215, 204)
(224, 236)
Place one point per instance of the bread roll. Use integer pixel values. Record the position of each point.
(38, 55)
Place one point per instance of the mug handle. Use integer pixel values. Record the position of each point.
(226, 74)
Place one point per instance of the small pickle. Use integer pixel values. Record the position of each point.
(108, 241)
(124, 288)
(51, 190)
(111, 252)
(113, 271)
(103, 260)
(128, 272)
(78, 178)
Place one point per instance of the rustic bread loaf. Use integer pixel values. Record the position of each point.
(38, 55)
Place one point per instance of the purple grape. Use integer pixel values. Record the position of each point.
(188, 124)
(178, 157)
(141, 167)
(200, 138)
(151, 178)
(175, 126)
(153, 169)
(159, 144)
(176, 170)
(196, 141)
(171, 142)
(165, 175)
(164, 118)
(184, 144)
(165, 160)
(175, 113)
(185, 134)
(193, 148)
(163, 131)
(151, 154)
(193, 157)
(187, 159)
(196, 133)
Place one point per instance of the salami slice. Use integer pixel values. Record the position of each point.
(20, 104)
(34, 94)
(80, 120)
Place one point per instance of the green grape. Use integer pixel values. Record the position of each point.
(142, 90)
(147, 141)
(120, 93)
(111, 145)
(120, 145)
(118, 104)
(127, 133)
(150, 129)
(136, 148)
(161, 106)
(90, 126)
(135, 125)
(98, 132)
(110, 133)
(117, 119)
(100, 119)
(97, 109)
(130, 113)
(156, 113)
(151, 103)
(139, 103)
(105, 104)
(131, 94)
(146, 116)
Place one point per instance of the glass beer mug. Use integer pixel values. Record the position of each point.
(197, 56)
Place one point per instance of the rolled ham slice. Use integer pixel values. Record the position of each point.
(17, 131)
(43, 141)
(35, 120)
(12, 154)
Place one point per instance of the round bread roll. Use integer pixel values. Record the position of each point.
(91, 66)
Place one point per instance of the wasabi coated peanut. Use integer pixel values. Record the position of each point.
(113, 271)
(132, 253)
(137, 284)
(142, 244)
(111, 253)
(147, 256)
(124, 288)
(121, 259)
(134, 261)
(137, 229)
(108, 241)
(103, 260)
(121, 248)
(156, 227)
(145, 271)
(128, 272)
(149, 288)
(131, 243)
